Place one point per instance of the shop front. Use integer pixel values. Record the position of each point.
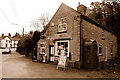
(61, 48)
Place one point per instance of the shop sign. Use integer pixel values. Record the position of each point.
(62, 61)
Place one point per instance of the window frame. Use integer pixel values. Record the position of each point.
(61, 23)
(100, 50)
(56, 47)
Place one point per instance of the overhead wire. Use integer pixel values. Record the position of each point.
(7, 19)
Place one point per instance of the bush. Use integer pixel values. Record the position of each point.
(25, 45)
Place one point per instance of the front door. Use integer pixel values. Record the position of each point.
(51, 53)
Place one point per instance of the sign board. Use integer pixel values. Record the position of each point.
(62, 61)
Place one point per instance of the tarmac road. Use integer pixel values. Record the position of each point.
(19, 66)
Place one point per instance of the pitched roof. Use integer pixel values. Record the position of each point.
(11, 38)
(95, 23)
(15, 39)
(83, 17)
(3, 37)
(63, 5)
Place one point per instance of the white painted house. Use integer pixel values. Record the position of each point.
(5, 42)
(14, 42)
(8, 42)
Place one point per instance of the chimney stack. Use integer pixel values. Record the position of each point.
(2, 35)
(81, 8)
(78, 3)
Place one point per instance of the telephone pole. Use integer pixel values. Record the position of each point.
(23, 32)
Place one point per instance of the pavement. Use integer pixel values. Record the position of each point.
(19, 66)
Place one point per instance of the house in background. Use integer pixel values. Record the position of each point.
(8, 42)
(5, 42)
(81, 39)
(14, 42)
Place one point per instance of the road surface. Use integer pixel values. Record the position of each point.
(19, 66)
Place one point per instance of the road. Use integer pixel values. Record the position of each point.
(19, 66)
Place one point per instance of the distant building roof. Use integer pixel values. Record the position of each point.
(11, 38)
(15, 39)
(3, 37)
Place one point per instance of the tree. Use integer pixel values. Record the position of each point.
(42, 21)
(36, 38)
(25, 44)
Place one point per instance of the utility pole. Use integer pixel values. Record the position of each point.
(23, 32)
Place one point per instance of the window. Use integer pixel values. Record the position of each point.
(62, 24)
(6, 45)
(103, 37)
(100, 50)
(14, 44)
(111, 50)
(42, 48)
(62, 48)
(10, 45)
(42, 45)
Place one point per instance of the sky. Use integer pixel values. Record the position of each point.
(18, 14)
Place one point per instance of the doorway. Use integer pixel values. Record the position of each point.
(51, 53)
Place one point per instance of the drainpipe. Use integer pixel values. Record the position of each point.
(81, 43)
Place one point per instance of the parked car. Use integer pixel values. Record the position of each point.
(6, 51)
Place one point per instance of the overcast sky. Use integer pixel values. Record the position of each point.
(23, 12)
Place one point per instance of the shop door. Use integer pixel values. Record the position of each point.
(51, 53)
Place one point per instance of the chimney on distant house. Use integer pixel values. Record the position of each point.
(81, 8)
(2, 35)
(9, 34)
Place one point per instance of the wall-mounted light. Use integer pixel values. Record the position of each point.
(52, 24)
(48, 38)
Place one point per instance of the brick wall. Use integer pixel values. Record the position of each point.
(93, 32)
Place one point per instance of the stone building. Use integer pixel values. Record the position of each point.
(80, 38)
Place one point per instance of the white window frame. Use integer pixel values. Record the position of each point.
(100, 46)
(42, 47)
(56, 52)
(61, 24)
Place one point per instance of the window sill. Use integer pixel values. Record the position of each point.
(100, 54)
(61, 32)
(111, 53)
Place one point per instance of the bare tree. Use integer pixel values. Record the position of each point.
(41, 22)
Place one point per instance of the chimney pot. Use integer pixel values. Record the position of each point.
(78, 3)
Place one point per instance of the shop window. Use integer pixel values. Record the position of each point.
(100, 50)
(62, 25)
(62, 48)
